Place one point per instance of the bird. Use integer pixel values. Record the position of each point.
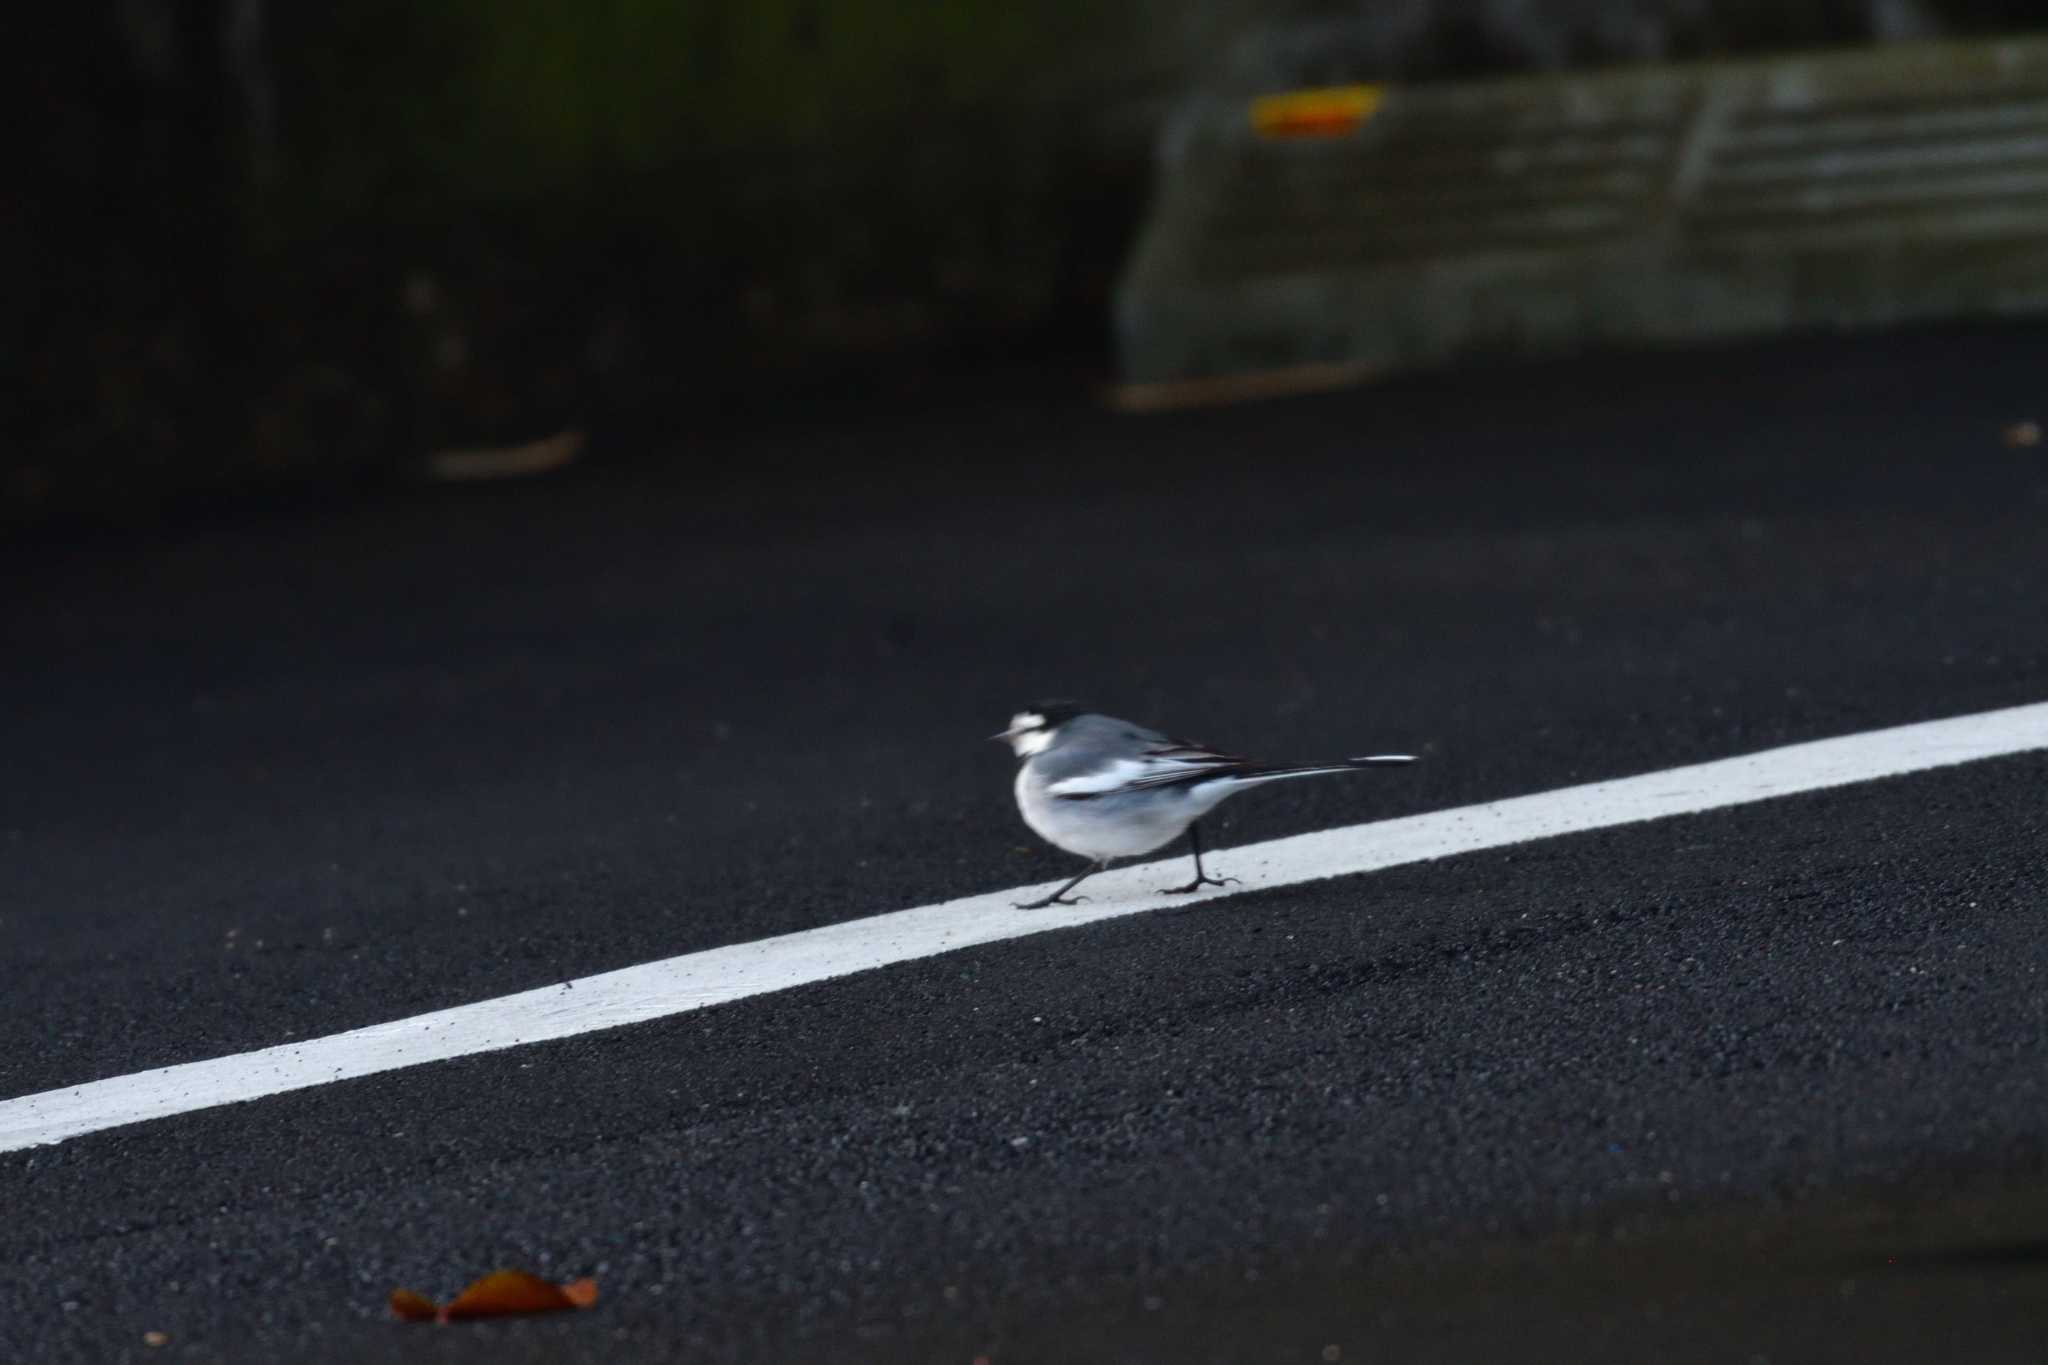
(1105, 788)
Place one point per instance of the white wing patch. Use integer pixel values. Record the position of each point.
(1138, 774)
(1115, 777)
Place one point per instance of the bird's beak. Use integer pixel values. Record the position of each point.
(1005, 736)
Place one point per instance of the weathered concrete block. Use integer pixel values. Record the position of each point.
(1546, 213)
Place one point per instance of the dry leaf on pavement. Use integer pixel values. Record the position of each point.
(498, 1293)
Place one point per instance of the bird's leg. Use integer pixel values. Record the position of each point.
(1060, 896)
(1202, 879)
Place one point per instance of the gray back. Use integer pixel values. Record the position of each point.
(1086, 743)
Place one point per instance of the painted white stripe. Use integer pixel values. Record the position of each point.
(655, 990)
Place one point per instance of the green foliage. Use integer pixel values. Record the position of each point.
(526, 99)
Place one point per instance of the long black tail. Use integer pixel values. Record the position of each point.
(1244, 774)
(1251, 774)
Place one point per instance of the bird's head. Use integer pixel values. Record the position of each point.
(1032, 728)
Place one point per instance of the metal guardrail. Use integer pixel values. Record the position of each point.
(1663, 204)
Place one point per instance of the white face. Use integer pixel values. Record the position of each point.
(1027, 734)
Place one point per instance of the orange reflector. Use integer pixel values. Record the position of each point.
(1330, 112)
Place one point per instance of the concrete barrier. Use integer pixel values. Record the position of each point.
(1664, 204)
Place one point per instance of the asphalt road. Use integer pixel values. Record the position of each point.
(1759, 1084)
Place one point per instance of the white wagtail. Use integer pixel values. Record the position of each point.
(1107, 789)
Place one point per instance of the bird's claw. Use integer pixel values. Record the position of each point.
(1049, 900)
(1198, 883)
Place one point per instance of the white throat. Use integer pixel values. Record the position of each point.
(1031, 742)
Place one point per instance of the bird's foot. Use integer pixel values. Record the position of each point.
(1049, 900)
(1198, 883)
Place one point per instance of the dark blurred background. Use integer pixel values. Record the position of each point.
(259, 244)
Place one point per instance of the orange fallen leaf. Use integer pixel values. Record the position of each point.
(498, 1293)
(412, 1307)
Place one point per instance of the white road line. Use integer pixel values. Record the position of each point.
(675, 985)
